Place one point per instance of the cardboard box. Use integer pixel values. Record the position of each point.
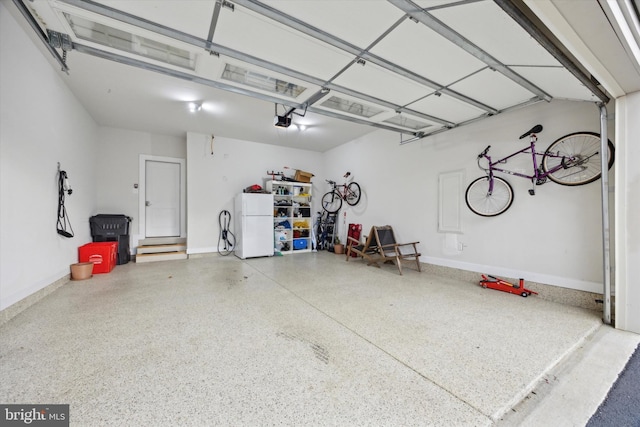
(302, 176)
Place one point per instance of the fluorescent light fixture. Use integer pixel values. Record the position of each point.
(263, 82)
(351, 107)
(95, 32)
(195, 106)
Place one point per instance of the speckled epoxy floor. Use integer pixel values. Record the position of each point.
(295, 340)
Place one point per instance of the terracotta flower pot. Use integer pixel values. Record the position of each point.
(81, 270)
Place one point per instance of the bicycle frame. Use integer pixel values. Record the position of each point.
(538, 174)
(340, 189)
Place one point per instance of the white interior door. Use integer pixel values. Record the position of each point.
(162, 198)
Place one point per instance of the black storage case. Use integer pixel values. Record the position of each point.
(112, 228)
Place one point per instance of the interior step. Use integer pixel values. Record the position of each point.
(150, 241)
(154, 249)
(161, 256)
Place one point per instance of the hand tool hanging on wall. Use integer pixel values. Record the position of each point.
(63, 218)
(226, 236)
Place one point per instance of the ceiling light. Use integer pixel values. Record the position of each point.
(195, 106)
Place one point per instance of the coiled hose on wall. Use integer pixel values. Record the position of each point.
(226, 236)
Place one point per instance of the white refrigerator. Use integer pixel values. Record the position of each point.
(254, 225)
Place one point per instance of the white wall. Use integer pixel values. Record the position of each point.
(553, 237)
(213, 180)
(627, 288)
(41, 123)
(117, 169)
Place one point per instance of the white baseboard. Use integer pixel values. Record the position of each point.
(565, 282)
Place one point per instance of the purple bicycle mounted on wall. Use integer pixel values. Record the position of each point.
(571, 160)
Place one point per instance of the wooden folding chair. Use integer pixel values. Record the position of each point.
(366, 250)
(390, 251)
(381, 246)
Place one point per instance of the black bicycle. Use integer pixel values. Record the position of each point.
(332, 201)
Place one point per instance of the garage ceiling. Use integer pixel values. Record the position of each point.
(338, 69)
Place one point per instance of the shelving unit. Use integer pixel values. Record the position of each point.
(292, 219)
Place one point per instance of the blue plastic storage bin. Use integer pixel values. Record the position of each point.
(299, 244)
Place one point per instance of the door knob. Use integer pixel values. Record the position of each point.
(147, 203)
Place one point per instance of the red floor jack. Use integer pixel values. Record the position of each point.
(504, 286)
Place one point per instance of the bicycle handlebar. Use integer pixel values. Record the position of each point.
(484, 153)
(333, 183)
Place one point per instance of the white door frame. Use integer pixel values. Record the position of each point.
(142, 231)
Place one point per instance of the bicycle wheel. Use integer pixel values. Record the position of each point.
(574, 159)
(353, 194)
(485, 203)
(331, 202)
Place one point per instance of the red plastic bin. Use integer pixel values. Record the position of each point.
(103, 255)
